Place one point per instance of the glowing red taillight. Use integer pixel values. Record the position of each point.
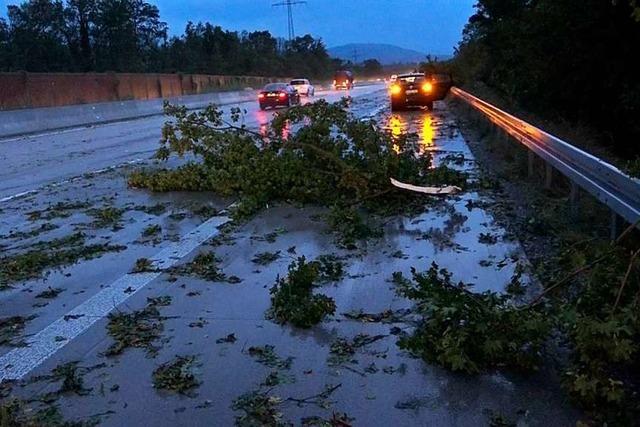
(261, 96)
(283, 95)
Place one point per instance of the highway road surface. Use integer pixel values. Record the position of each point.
(55, 327)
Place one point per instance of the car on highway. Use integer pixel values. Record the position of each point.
(303, 86)
(418, 90)
(343, 80)
(278, 95)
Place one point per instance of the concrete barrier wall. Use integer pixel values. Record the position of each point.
(37, 90)
(21, 122)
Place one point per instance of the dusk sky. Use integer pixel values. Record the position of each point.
(432, 26)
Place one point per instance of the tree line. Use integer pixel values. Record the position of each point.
(575, 59)
(130, 36)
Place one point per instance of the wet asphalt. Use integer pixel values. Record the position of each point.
(380, 386)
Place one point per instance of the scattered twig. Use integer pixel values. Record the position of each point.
(566, 279)
(626, 278)
(315, 399)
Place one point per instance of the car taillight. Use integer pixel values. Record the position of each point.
(283, 94)
(427, 87)
(395, 90)
(261, 96)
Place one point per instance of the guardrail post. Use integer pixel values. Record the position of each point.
(530, 163)
(574, 198)
(615, 225)
(548, 175)
(504, 135)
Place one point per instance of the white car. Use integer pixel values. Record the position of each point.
(303, 86)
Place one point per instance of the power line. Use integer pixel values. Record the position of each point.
(289, 5)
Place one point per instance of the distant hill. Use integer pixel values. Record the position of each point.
(385, 53)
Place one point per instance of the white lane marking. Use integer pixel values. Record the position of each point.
(72, 179)
(19, 362)
(15, 196)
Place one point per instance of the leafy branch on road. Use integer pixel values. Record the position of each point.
(12, 327)
(293, 300)
(319, 153)
(15, 413)
(205, 266)
(176, 375)
(471, 332)
(138, 328)
(107, 217)
(45, 255)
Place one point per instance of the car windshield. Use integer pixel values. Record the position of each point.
(275, 86)
(298, 82)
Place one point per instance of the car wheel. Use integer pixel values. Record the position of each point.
(430, 105)
(262, 107)
(395, 106)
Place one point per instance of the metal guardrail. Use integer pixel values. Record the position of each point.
(605, 182)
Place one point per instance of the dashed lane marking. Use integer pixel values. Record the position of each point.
(17, 363)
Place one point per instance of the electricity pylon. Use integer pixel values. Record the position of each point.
(289, 4)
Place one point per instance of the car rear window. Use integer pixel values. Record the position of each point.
(410, 79)
(298, 82)
(275, 86)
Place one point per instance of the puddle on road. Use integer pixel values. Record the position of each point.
(217, 323)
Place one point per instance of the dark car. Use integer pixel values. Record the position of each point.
(343, 80)
(278, 95)
(418, 90)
